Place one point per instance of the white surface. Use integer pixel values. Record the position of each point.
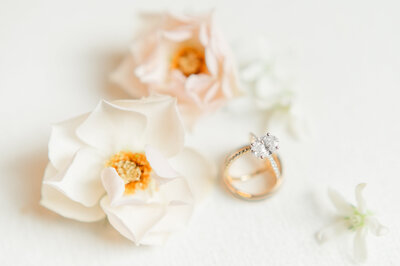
(54, 61)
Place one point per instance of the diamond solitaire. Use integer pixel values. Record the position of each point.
(263, 147)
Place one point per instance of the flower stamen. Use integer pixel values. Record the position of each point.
(133, 168)
(356, 220)
(189, 60)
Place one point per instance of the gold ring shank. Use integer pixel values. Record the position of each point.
(268, 168)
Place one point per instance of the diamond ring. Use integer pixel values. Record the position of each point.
(263, 150)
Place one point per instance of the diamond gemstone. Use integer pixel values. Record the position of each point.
(264, 146)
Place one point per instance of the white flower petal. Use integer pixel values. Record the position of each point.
(228, 86)
(159, 163)
(176, 218)
(64, 143)
(111, 128)
(115, 188)
(330, 231)
(80, 181)
(118, 224)
(176, 191)
(375, 227)
(267, 90)
(360, 199)
(197, 170)
(113, 184)
(360, 245)
(252, 71)
(342, 206)
(190, 115)
(164, 129)
(133, 221)
(59, 203)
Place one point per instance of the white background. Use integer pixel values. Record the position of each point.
(54, 62)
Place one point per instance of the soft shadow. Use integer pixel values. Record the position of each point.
(31, 175)
(104, 63)
(318, 208)
(111, 61)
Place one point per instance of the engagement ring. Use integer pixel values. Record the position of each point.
(264, 148)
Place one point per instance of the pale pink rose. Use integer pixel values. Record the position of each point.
(182, 56)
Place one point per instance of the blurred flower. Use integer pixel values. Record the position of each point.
(182, 56)
(352, 219)
(125, 160)
(269, 90)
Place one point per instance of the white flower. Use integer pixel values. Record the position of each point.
(269, 90)
(354, 219)
(125, 160)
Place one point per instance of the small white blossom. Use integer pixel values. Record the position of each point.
(269, 90)
(352, 219)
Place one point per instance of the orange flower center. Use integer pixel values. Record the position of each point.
(189, 60)
(133, 168)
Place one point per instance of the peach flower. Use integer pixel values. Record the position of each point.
(182, 56)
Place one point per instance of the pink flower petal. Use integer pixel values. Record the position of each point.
(203, 34)
(211, 61)
(198, 83)
(178, 35)
(212, 92)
